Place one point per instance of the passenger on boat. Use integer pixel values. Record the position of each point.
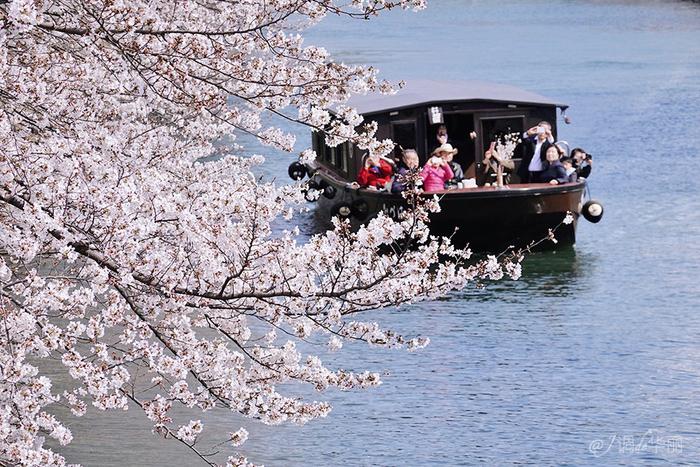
(435, 173)
(555, 173)
(582, 162)
(563, 148)
(410, 162)
(536, 141)
(441, 138)
(447, 153)
(441, 135)
(491, 160)
(568, 164)
(376, 173)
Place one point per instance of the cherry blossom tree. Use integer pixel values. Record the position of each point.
(122, 254)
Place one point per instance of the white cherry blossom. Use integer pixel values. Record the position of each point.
(158, 280)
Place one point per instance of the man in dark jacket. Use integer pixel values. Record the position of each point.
(536, 141)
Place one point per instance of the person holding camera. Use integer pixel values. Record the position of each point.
(447, 153)
(536, 141)
(582, 162)
(436, 172)
(376, 173)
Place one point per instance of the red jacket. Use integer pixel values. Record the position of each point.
(376, 176)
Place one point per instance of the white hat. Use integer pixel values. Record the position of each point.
(447, 147)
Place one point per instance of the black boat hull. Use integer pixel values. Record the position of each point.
(485, 218)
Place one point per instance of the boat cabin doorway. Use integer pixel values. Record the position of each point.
(459, 126)
(494, 128)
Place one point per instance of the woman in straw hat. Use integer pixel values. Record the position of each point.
(437, 171)
(447, 153)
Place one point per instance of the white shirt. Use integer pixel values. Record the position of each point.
(536, 162)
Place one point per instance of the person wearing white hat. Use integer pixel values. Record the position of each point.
(435, 173)
(447, 153)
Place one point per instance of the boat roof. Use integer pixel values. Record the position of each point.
(423, 92)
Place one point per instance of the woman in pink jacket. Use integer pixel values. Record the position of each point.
(435, 173)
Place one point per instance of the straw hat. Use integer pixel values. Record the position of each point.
(447, 147)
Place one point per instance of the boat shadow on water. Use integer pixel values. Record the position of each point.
(562, 273)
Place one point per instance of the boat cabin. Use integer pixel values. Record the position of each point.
(412, 117)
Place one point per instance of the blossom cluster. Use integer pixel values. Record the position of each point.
(122, 254)
(506, 145)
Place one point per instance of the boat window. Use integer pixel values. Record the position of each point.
(345, 151)
(331, 155)
(319, 145)
(404, 135)
(338, 156)
(324, 152)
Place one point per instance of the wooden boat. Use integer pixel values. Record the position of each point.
(487, 217)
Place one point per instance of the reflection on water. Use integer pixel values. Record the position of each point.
(560, 273)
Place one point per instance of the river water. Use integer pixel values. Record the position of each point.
(593, 357)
